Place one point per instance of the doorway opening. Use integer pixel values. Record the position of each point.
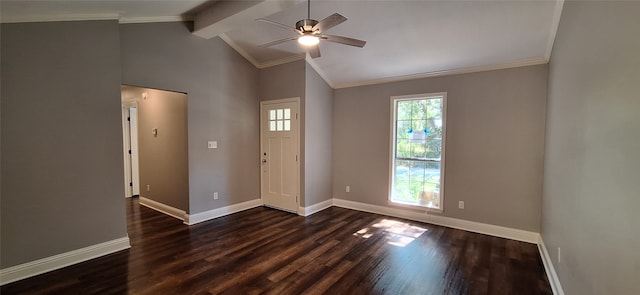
(155, 148)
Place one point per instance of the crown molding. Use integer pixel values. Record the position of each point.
(60, 18)
(282, 61)
(253, 61)
(515, 64)
(239, 49)
(555, 22)
(320, 72)
(93, 17)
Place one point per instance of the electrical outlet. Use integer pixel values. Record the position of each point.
(460, 204)
(148, 187)
(559, 257)
(347, 189)
(215, 195)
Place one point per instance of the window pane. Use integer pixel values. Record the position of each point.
(287, 125)
(432, 177)
(403, 129)
(272, 114)
(419, 150)
(403, 148)
(419, 109)
(419, 125)
(402, 181)
(287, 113)
(418, 144)
(279, 125)
(434, 148)
(434, 108)
(279, 112)
(272, 126)
(417, 178)
(404, 110)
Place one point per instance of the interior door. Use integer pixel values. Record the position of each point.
(135, 171)
(126, 147)
(279, 126)
(130, 139)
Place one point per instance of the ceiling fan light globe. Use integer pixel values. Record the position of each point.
(308, 40)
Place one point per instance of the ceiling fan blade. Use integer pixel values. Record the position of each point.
(330, 22)
(344, 40)
(314, 51)
(277, 24)
(278, 42)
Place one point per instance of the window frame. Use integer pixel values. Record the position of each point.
(392, 149)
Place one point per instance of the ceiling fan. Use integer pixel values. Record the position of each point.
(310, 32)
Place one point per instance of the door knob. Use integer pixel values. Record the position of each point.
(264, 161)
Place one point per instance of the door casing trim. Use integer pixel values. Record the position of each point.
(299, 119)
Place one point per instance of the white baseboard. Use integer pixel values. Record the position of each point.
(36, 267)
(191, 219)
(306, 211)
(549, 269)
(160, 207)
(477, 227)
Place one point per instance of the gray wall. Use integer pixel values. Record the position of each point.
(288, 81)
(318, 122)
(163, 159)
(494, 144)
(62, 162)
(591, 177)
(223, 105)
(299, 79)
(283, 81)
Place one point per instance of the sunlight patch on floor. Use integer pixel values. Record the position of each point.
(398, 233)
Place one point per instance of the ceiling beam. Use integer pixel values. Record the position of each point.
(223, 16)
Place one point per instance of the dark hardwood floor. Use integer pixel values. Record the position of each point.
(266, 251)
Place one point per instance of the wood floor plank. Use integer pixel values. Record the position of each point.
(266, 251)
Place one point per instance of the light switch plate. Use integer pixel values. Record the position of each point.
(212, 144)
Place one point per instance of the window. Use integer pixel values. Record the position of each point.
(280, 120)
(417, 150)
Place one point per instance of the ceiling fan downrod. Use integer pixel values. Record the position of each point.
(305, 26)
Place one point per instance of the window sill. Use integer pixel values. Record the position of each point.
(414, 206)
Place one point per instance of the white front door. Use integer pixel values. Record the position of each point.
(279, 128)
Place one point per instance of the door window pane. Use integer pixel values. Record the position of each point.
(280, 120)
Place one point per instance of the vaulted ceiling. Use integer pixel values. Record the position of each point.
(405, 39)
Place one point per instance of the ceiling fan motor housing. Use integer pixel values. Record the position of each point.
(306, 25)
